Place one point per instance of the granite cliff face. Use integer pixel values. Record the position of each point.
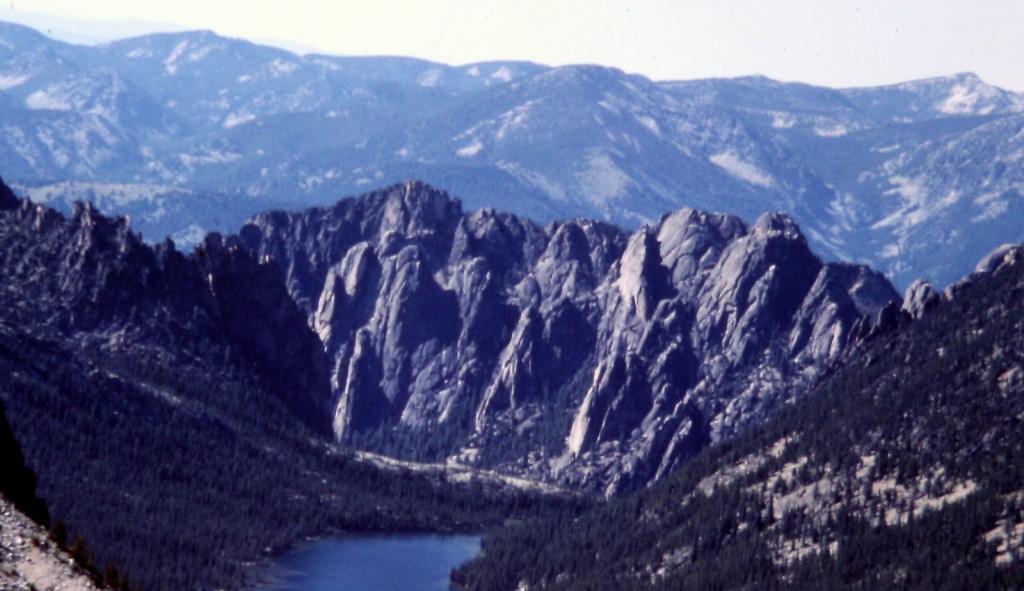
(572, 352)
(166, 400)
(902, 467)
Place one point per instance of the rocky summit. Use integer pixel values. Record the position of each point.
(574, 352)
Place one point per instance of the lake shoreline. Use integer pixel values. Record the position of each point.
(367, 561)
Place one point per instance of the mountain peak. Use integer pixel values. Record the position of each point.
(414, 206)
(778, 223)
(15, 37)
(967, 77)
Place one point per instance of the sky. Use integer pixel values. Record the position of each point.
(836, 43)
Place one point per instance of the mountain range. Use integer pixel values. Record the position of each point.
(192, 132)
(577, 316)
(575, 353)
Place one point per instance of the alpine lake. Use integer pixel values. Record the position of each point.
(410, 562)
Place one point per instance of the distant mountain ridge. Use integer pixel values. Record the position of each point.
(918, 179)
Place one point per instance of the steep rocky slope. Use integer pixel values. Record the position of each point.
(902, 468)
(29, 561)
(91, 278)
(575, 352)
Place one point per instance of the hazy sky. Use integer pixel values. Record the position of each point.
(833, 43)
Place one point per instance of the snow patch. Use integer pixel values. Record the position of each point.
(603, 180)
(236, 119)
(913, 210)
(959, 492)
(503, 74)
(993, 210)
(8, 82)
(1009, 541)
(950, 199)
(649, 123)
(280, 68)
(200, 53)
(731, 163)
(911, 190)
(513, 120)
(312, 181)
(783, 121)
(961, 101)
(211, 157)
(170, 64)
(727, 475)
(43, 101)
(836, 130)
(138, 52)
(430, 78)
(114, 193)
(891, 251)
(470, 150)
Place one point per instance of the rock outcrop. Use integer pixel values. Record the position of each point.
(31, 561)
(89, 277)
(574, 352)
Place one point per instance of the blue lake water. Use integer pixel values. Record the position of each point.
(372, 563)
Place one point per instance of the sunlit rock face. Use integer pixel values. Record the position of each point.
(574, 352)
